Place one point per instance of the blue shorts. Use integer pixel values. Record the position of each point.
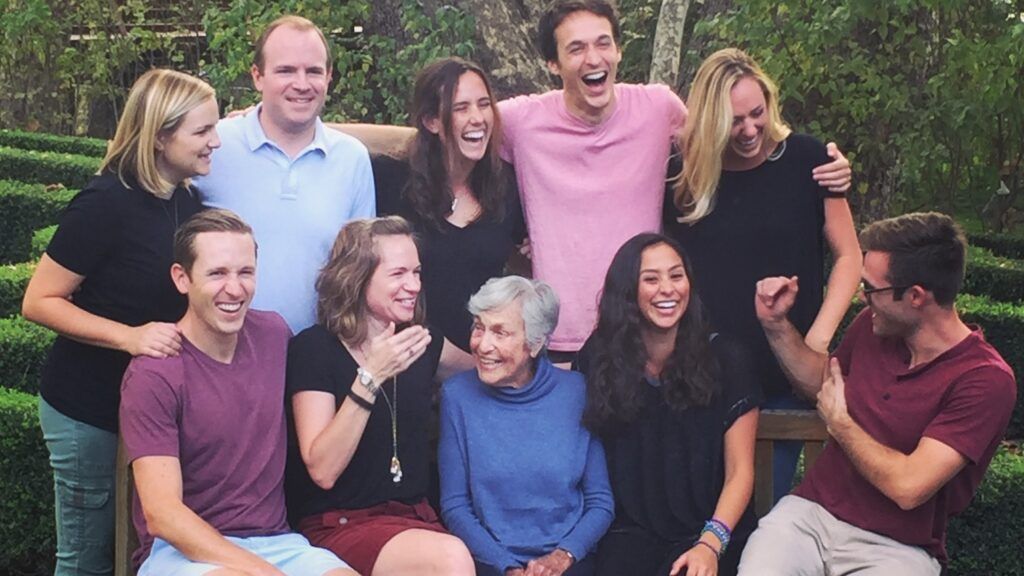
(290, 553)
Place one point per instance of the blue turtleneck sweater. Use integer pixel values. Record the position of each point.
(520, 475)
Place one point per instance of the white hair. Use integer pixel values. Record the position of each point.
(538, 301)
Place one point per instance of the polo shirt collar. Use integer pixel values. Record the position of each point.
(255, 137)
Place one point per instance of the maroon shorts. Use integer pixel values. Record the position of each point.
(357, 536)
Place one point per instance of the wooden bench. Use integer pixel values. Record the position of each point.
(125, 538)
(774, 425)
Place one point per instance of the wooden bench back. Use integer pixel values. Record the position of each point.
(773, 425)
(125, 539)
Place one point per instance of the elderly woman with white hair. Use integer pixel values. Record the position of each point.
(523, 483)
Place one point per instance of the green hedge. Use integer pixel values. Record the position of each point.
(13, 281)
(26, 485)
(1000, 244)
(53, 143)
(988, 538)
(41, 241)
(23, 349)
(71, 170)
(27, 208)
(994, 276)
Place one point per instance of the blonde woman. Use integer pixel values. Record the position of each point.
(747, 206)
(104, 286)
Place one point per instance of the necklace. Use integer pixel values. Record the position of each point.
(396, 464)
(173, 200)
(455, 204)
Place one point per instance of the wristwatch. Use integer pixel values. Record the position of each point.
(366, 379)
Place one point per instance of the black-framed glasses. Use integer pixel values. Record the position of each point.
(867, 290)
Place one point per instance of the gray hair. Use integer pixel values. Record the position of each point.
(538, 299)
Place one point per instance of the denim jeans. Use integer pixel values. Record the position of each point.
(83, 459)
(785, 453)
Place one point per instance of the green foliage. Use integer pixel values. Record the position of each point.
(1003, 245)
(924, 96)
(41, 241)
(638, 20)
(52, 143)
(26, 484)
(70, 170)
(998, 278)
(26, 208)
(23, 350)
(13, 281)
(987, 537)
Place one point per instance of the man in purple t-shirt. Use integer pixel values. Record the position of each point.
(205, 430)
(915, 401)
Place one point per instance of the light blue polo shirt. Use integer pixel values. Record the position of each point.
(295, 206)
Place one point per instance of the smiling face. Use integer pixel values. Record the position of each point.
(588, 59)
(472, 119)
(293, 81)
(749, 118)
(663, 289)
(395, 284)
(221, 283)
(185, 152)
(889, 316)
(498, 343)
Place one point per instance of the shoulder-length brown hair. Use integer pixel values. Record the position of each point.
(343, 281)
(428, 191)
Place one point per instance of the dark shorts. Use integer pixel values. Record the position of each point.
(357, 536)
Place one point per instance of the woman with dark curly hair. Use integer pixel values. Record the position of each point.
(455, 190)
(676, 407)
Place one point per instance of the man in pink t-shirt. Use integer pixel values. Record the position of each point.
(591, 160)
(915, 402)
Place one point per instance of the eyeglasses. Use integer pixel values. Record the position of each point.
(867, 290)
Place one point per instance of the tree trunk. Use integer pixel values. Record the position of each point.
(698, 44)
(668, 42)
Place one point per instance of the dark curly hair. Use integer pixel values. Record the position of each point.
(617, 355)
(428, 192)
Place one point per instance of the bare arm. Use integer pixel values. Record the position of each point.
(158, 481)
(379, 139)
(328, 438)
(803, 366)
(48, 302)
(736, 491)
(909, 480)
(845, 275)
(453, 361)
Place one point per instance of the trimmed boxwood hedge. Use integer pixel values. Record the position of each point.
(53, 143)
(71, 170)
(994, 276)
(23, 349)
(41, 241)
(1000, 244)
(26, 486)
(988, 538)
(27, 208)
(13, 281)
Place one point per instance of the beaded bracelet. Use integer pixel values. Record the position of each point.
(718, 553)
(720, 531)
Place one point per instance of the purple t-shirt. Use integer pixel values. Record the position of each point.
(963, 398)
(224, 422)
(587, 189)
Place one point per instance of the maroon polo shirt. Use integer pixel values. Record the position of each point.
(963, 398)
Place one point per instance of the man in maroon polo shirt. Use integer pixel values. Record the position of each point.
(915, 401)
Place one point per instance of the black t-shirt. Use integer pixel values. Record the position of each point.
(767, 221)
(456, 261)
(317, 361)
(667, 468)
(120, 239)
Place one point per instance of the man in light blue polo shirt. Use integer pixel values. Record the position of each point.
(294, 181)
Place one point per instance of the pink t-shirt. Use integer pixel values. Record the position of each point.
(587, 189)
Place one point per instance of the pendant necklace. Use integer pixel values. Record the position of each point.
(396, 464)
(455, 203)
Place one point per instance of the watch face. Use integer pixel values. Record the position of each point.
(365, 378)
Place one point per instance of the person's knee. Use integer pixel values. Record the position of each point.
(452, 557)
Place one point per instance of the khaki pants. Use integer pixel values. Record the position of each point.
(800, 538)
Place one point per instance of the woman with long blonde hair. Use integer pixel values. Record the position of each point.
(747, 206)
(104, 286)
